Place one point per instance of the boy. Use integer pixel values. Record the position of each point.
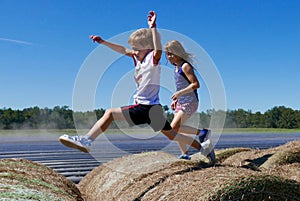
(146, 53)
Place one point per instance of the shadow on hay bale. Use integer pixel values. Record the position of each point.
(251, 159)
(22, 179)
(285, 154)
(256, 159)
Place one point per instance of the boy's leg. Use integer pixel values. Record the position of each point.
(103, 123)
(83, 143)
(159, 122)
(184, 139)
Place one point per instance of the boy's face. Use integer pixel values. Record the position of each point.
(140, 52)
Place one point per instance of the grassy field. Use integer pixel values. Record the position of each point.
(260, 130)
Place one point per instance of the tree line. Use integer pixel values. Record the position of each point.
(64, 118)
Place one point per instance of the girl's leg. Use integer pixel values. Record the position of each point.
(179, 118)
(103, 123)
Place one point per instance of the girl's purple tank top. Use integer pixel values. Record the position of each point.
(182, 82)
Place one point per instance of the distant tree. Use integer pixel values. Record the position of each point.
(99, 113)
(230, 121)
(239, 118)
(63, 118)
(205, 119)
(8, 116)
(297, 114)
(256, 120)
(281, 117)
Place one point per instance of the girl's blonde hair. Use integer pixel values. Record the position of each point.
(141, 38)
(177, 49)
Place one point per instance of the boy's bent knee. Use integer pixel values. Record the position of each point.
(108, 112)
(169, 133)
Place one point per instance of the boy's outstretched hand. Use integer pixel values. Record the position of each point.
(96, 39)
(152, 19)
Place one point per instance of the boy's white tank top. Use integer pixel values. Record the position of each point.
(147, 78)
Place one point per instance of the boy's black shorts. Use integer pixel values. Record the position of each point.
(146, 114)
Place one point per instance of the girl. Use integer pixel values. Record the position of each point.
(185, 99)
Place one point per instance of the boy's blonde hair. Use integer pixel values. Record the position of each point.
(141, 38)
(177, 49)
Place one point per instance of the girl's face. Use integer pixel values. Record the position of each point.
(173, 59)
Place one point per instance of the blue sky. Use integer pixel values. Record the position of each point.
(255, 46)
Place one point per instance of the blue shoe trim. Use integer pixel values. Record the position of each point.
(184, 156)
(203, 135)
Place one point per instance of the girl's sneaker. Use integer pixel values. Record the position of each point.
(77, 142)
(204, 135)
(184, 156)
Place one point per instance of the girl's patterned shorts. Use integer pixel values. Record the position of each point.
(188, 108)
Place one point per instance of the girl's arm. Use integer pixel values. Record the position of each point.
(189, 72)
(156, 38)
(116, 47)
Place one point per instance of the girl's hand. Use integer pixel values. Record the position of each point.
(152, 19)
(173, 105)
(176, 95)
(96, 39)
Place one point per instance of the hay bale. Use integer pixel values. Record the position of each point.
(259, 187)
(195, 185)
(224, 183)
(286, 154)
(130, 177)
(160, 176)
(288, 171)
(22, 179)
(222, 155)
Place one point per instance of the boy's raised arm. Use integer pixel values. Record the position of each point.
(116, 47)
(156, 37)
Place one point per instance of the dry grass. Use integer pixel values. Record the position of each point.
(289, 171)
(195, 185)
(258, 187)
(21, 179)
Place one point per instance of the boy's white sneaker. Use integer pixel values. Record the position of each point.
(77, 142)
(208, 151)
